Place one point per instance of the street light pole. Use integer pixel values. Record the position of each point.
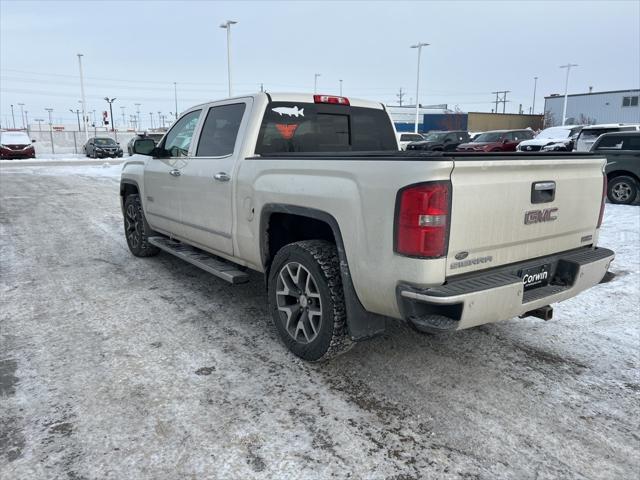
(50, 110)
(22, 113)
(315, 82)
(124, 120)
(340, 87)
(566, 89)
(138, 115)
(13, 118)
(175, 98)
(26, 120)
(533, 106)
(77, 112)
(84, 101)
(419, 47)
(110, 102)
(151, 119)
(227, 26)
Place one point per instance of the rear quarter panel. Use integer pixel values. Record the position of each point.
(360, 195)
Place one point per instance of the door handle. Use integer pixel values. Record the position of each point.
(175, 172)
(222, 177)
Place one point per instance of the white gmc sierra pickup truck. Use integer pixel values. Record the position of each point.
(312, 191)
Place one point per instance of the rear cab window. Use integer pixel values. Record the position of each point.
(311, 127)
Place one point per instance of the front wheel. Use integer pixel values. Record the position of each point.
(622, 190)
(306, 300)
(136, 228)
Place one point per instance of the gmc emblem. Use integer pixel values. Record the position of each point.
(538, 216)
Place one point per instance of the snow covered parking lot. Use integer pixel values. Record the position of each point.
(117, 367)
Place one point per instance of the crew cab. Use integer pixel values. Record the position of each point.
(311, 191)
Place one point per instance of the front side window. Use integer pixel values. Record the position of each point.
(178, 139)
(220, 130)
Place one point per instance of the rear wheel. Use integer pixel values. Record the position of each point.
(622, 190)
(306, 300)
(136, 228)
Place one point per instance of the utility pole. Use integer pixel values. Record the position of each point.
(341, 87)
(77, 112)
(175, 98)
(13, 118)
(419, 47)
(26, 119)
(400, 96)
(22, 114)
(124, 120)
(110, 102)
(535, 84)
(84, 101)
(566, 89)
(502, 99)
(315, 82)
(227, 25)
(151, 119)
(50, 110)
(138, 115)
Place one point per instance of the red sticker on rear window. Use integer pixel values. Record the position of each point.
(286, 131)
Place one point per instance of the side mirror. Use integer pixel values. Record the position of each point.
(143, 146)
(33, 140)
(505, 140)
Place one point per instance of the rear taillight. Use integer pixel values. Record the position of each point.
(331, 99)
(422, 220)
(604, 197)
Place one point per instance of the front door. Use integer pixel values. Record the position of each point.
(162, 176)
(207, 186)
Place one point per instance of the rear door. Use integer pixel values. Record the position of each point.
(206, 189)
(514, 209)
(162, 176)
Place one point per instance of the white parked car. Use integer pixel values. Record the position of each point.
(405, 139)
(553, 139)
(590, 133)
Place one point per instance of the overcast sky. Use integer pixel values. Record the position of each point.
(136, 50)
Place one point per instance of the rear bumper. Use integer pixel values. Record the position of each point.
(498, 294)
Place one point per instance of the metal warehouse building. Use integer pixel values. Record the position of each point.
(619, 106)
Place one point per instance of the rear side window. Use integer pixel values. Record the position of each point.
(631, 142)
(613, 142)
(310, 127)
(220, 130)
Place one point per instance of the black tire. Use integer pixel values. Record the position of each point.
(136, 228)
(622, 190)
(318, 258)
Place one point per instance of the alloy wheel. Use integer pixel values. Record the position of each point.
(298, 301)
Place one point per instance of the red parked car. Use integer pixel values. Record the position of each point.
(496, 141)
(15, 144)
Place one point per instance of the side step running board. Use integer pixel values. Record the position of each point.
(210, 263)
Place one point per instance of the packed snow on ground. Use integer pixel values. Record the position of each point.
(116, 367)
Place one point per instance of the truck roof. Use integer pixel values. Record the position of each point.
(300, 97)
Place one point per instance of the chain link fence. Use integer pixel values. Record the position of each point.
(72, 142)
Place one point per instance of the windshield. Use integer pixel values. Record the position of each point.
(435, 137)
(105, 141)
(488, 137)
(14, 138)
(555, 132)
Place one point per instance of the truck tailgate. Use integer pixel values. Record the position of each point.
(504, 210)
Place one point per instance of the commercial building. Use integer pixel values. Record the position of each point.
(617, 106)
